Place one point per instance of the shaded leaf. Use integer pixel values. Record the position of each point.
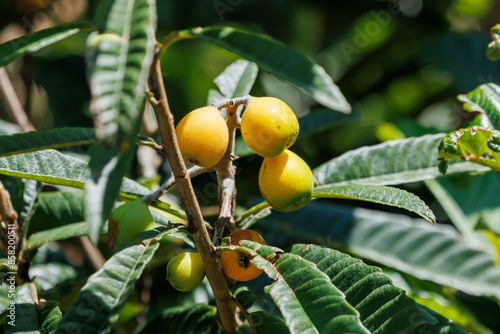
(484, 99)
(280, 60)
(197, 319)
(444, 325)
(26, 318)
(33, 42)
(44, 139)
(107, 290)
(49, 316)
(48, 275)
(475, 144)
(237, 79)
(389, 163)
(119, 71)
(60, 233)
(378, 194)
(53, 167)
(263, 322)
(436, 253)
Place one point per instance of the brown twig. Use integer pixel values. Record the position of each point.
(13, 106)
(95, 257)
(226, 171)
(192, 172)
(196, 225)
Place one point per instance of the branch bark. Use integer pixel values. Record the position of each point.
(12, 104)
(196, 225)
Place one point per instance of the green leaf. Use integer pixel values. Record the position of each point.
(237, 79)
(455, 196)
(119, 71)
(57, 208)
(436, 253)
(263, 322)
(59, 233)
(484, 99)
(33, 42)
(60, 215)
(107, 290)
(389, 163)
(475, 144)
(48, 275)
(378, 194)
(444, 325)
(307, 299)
(26, 318)
(197, 319)
(280, 60)
(44, 139)
(49, 316)
(383, 307)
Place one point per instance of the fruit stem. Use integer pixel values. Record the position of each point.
(226, 171)
(196, 224)
(232, 103)
(192, 172)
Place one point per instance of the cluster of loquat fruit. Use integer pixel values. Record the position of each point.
(269, 127)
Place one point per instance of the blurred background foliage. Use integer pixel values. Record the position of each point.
(400, 65)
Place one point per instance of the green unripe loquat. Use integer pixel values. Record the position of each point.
(202, 136)
(286, 182)
(268, 126)
(127, 221)
(185, 271)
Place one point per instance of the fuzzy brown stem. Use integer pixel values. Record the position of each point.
(226, 177)
(12, 104)
(196, 225)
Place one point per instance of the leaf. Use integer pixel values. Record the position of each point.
(56, 209)
(197, 319)
(383, 307)
(59, 233)
(444, 326)
(237, 79)
(30, 199)
(13, 49)
(49, 317)
(53, 167)
(378, 194)
(60, 215)
(106, 291)
(263, 322)
(484, 99)
(26, 319)
(44, 139)
(119, 71)
(280, 60)
(475, 144)
(390, 163)
(48, 275)
(436, 253)
(307, 299)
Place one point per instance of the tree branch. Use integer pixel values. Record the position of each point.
(12, 104)
(196, 225)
